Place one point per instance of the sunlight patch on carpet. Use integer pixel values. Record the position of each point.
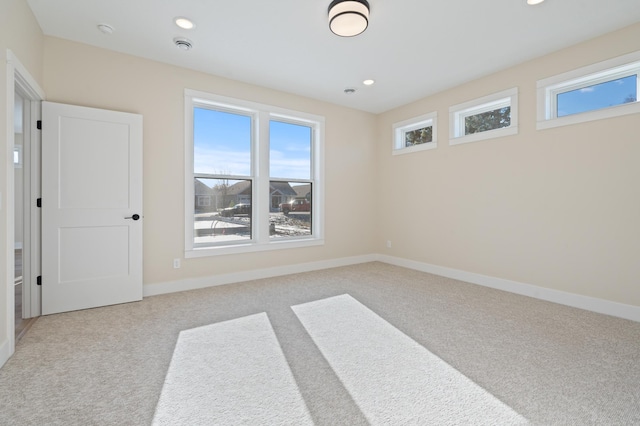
(392, 378)
(230, 373)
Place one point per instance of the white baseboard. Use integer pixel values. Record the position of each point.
(593, 304)
(5, 352)
(203, 282)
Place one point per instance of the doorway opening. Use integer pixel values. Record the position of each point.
(23, 212)
(18, 183)
(24, 97)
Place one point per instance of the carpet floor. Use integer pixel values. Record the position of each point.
(358, 345)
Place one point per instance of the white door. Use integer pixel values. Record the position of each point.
(91, 207)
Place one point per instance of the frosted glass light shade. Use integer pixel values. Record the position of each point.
(348, 18)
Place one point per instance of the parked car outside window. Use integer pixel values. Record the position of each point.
(238, 209)
(297, 205)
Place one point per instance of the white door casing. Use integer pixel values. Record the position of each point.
(91, 191)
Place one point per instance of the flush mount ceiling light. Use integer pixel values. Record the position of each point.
(184, 23)
(368, 82)
(348, 18)
(533, 2)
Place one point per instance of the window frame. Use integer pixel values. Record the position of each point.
(401, 128)
(262, 114)
(458, 113)
(549, 88)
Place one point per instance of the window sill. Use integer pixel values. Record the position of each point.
(416, 148)
(252, 247)
(614, 111)
(489, 134)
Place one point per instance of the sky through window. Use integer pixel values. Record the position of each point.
(598, 96)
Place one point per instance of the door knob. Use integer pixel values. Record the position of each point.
(134, 217)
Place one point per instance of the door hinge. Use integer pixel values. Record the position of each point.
(39, 280)
(39, 202)
(39, 124)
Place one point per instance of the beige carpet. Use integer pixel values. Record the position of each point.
(392, 379)
(548, 363)
(231, 373)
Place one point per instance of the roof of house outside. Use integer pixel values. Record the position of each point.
(303, 190)
(283, 188)
(244, 188)
(201, 188)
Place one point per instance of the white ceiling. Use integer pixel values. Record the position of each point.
(412, 48)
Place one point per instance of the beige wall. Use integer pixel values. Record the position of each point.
(20, 33)
(556, 208)
(83, 75)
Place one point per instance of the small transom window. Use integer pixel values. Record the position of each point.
(603, 90)
(483, 118)
(415, 134)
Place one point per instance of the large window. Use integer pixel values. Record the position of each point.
(603, 90)
(253, 176)
(290, 170)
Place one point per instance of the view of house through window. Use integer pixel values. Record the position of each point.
(233, 170)
(222, 211)
(290, 162)
(222, 144)
(291, 213)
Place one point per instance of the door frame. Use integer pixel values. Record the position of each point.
(19, 79)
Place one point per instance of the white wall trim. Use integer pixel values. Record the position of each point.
(593, 304)
(17, 77)
(26, 81)
(9, 225)
(5, 352)
(237, 277)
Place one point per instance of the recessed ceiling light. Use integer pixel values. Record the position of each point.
(183, 43)
(533, 2)
(105, 28)
(368, 82)
(184, 23)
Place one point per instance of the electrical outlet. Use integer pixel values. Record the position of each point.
(176, 263)
(388, 243)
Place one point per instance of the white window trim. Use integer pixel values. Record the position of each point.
(549, 88)
(260, 175)
(399, 130)
(458, 113)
